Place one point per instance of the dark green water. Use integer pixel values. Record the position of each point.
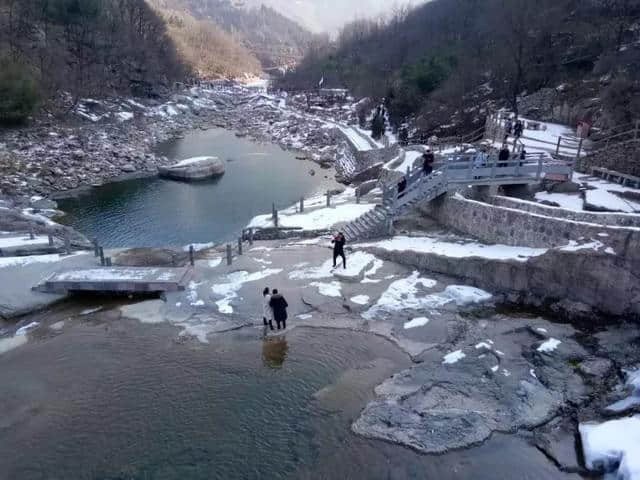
(108, 398)
(157, 213)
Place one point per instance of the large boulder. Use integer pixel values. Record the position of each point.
(197, 168)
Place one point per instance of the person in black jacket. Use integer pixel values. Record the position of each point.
(338, 249)
(279, 306)
(427, 162)
(503, 156)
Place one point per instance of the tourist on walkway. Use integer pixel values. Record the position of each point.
(428, 158)
(518, 129)
(267, 311)
(402, 186)
(503, 156)
(523, 156)
(338, 249)
(279, 306)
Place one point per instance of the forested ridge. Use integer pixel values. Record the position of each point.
(54, 52)
(447, 56)
(86, 46)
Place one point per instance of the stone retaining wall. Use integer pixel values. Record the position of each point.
(612, 219)
(576, 285)
(623, 158)
(509, 226)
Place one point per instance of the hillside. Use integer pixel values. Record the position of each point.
(88, 47)
(436, 63)
(205, 46)
(273, 38)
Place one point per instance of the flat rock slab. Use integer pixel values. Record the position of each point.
(117, 279)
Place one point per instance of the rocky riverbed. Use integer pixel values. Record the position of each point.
(103, 140)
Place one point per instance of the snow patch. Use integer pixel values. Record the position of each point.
(453, 357)
(331, 289)
(235, 280)
(27, 328)
(416, 322)
(402, 294)
(549, 346)
(360, 299)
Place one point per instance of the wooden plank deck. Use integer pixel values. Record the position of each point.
(117, 280)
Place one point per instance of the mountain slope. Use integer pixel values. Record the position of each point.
(273, 38)
(447, 56)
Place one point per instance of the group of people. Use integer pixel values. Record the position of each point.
(514, 129)
(274, 305)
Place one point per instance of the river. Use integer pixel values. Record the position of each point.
(153, 212)
(104, 397)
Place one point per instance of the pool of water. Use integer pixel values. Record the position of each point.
(154, 212)
(110, 398)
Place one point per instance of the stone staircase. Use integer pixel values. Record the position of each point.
(374, 223)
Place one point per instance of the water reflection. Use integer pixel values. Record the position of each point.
(274, 351)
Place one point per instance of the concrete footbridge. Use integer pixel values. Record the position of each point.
(450, 171)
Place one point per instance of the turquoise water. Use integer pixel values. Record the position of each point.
(153, 212)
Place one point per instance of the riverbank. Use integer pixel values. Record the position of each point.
(104, 140)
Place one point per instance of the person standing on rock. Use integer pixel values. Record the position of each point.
(279, 306)
(338, 249)
(267, 311)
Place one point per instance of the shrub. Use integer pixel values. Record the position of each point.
(19, 93)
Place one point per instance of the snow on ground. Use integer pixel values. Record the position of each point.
(549, 346)
(609, 201)
(235, 280)
(409, 159)
(22, 261)
(89, 311)
(357, 139)
(113, 274)
(124, 116)
(632, 384)
(330, 289)
(215, 262)
(19, 241)
(360, 299)
(27, 328)
(568, 201)
(613, 446)
(303, 271)
(402, 294)
(595, 245)
(453, 357)
(464, 295)
(356, 263)
(320, 219)
(192, 160)
(416, 322)
(457, 250)
(197, 247)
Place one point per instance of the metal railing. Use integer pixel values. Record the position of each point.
(469, 169)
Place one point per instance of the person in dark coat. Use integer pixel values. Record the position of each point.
(338, 249)
(428, 159)
(518, 129)
(279, 306)
(402, 186)
(503, 156)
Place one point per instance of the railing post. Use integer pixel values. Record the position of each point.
(191, 259)
(251, 236)
(470, 168)
(576, 164)
(50, 238)
(229, 254)
(357, 195)
(301, 204)
(539, 173)
(67, 244)
(493, 167)
(558, 146)
(239, 246)
(96, 248)
(101, 251)
(328, 198)
(107, 261)
(274, 212)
